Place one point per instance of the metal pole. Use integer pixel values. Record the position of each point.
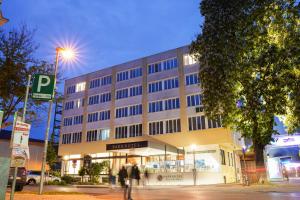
(12, 194)
(48, 126)
(26, 98)
(194, 169)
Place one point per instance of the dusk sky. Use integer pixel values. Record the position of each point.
(105, 32)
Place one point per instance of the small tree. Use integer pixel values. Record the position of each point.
(51, 154)
(81, 173)
(94, 171)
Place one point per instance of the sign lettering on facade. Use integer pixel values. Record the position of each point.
(43, 87)
(129, 145)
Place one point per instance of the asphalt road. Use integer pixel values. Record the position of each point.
(228, 192)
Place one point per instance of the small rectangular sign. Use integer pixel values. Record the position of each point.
(20, 134)
(128, 145)
(43, 87)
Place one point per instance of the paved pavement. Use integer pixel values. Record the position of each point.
(227, 192)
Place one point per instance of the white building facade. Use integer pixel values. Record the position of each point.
(147, 111)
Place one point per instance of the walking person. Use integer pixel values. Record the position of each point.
(146, 176)
(133, 174)
(123, 176)
(285, 173)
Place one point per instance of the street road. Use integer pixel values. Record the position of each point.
(228, 192)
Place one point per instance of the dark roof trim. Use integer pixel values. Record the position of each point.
(6, 135)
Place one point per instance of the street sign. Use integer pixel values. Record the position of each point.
(43, 87)
(20, 134)
(19, 143)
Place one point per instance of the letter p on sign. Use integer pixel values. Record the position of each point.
(43, 82)
(43, 87)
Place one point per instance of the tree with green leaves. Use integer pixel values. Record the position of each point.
(51, 155)
(248, 52)
(17, 61)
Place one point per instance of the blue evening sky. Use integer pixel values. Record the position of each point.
(104, 32)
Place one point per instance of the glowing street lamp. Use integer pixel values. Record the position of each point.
(68, 55)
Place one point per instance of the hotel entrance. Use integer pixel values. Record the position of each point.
(154, 156)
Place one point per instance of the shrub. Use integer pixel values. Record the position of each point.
(68, 179)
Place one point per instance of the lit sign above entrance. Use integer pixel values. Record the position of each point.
(127, 145)
(286, 140)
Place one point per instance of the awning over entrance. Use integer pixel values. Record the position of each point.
(147, 146)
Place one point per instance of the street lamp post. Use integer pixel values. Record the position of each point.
(58, 51)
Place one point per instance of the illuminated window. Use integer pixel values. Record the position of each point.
(79, 103)
(103, 134)
(80, 87)
(189, 59)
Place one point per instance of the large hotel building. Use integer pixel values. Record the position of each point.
(148, 111)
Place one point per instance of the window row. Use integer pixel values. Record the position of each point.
(165, 84)
(168, 104)
(79, 87)
(69, 121)
(99, 116)
(192, 79)
(129, 92)
(198, 123)
(131, 131)
(194, 100)
(106, 80)
(102, 98)
(230, 158)
(162, 66)
(69, 138)
(96, 135)
(129, 111)
(161, 127)
(77, 103)
(133, 73)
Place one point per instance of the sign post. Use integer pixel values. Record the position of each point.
(4, 167)
(43, 87)
(1, 118)
(19, 146)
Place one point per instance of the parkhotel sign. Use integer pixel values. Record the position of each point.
(128, 145)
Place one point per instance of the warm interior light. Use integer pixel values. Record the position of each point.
(193, 147)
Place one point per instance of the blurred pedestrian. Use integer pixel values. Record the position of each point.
(123, 176)
(146, 176)
(285, 173)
